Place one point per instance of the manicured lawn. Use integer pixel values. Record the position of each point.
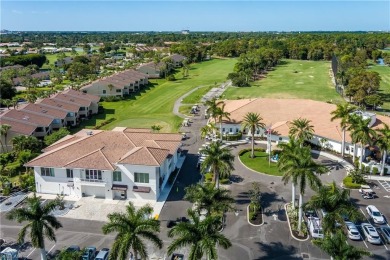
(154, 104)
(260, 163)
(185, 109)
(384, 72)
(291, 79)
(197, 95)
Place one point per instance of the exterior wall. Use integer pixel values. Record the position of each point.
(94, 108)
(97, 89)
(46, 130)
(128, 174)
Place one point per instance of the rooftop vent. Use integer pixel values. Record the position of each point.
(44, 111)
(89, 133)
(26, 118)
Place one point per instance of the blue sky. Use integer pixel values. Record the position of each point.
(55, 15)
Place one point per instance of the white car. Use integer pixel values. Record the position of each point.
(375, 214)
(371, 234)
(353, 232)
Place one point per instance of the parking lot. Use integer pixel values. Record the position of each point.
(385, 185)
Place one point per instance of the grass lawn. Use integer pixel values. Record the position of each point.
(196, 96)
(291, 79)
(260, 163)
(384, 72)
(154, 104)
(185, 109)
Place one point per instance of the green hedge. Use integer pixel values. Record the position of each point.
(105, 122)
(244, 151)
(349, 184)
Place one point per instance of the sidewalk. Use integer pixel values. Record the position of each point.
(165, 192)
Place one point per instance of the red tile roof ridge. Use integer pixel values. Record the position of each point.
(105, 157)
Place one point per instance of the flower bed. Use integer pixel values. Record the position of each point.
(255, 218)
(292, 215)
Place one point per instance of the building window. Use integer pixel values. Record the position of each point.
(82, 109)
(93, 174)
(117, 176)
(118, 91)
(70, 114)
(69, 173)
(141, 177)
(230, 130)
(104, 91)
(49, 172)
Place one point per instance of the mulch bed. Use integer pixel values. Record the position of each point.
(258, 220)
(297, 235)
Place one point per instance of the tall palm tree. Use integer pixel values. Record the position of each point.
(202, 236)
(338, 249)
(288, 151)
(383, 142)
(207, 130)
(212, 106)
(7, 102)
(220, 114)
(361, 133)
(209, 198)
(22, 142)
(131, 228)
(39, 220)
(4, 129)
(343, 112)
(253, 121)
(301, 170)
(219, 160)
(337, 203)
(301, 129)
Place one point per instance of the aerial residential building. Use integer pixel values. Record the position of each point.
(125, 163)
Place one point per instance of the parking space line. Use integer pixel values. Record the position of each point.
(51, 248)
(30, 253)
(383, 242)
(364, 242)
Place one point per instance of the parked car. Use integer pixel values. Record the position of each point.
(315, 228)
(353, 232)
(385, 231)
(375, 214)
(371, 234)
(311, 213)
(73, 248)
(177, 257)
(103, 254)
(89, 253)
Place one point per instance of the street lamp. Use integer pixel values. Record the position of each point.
(269, 143)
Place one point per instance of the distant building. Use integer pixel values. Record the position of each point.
(185, 31)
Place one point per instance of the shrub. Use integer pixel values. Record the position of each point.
(208, 177)
(111, 99)
(105, 122)
(375, 171)
(386, 170)
(171, 77)
(349, 184)
(244, 151)
(224, 181)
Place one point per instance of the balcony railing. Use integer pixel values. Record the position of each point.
(93, 180)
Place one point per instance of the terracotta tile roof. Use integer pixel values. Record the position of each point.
(60, 104)
(279, 112)
(177, 57)
(79, 94)
(72, 99)
(38, 108)
(104, 149)
(28, 116)
(23, 128)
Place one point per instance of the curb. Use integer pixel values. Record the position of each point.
(289, 226)
(247, 217)
(256, 171)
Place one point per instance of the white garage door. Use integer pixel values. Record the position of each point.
(97, 192)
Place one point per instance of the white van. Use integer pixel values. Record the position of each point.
(103, 255)
(315, 228)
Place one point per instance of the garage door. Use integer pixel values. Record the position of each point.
(97, 192)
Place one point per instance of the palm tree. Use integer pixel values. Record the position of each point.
(301, 129)
(337, 203)
(361, 133)
(253, 121)
(131, 228)
(220, 114)
(207, 130)
(202, 236)
(288, 151)
(209, 198)
(6, 102)
(4, 132)
(383, 142)
(39, 220)
(218, 160)
(212, 106)
(343, 112)
(338, 249)
(22, 142)
(300, 168)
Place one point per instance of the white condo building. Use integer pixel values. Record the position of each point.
(124, 163)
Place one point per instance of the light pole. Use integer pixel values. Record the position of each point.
(269, 144)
